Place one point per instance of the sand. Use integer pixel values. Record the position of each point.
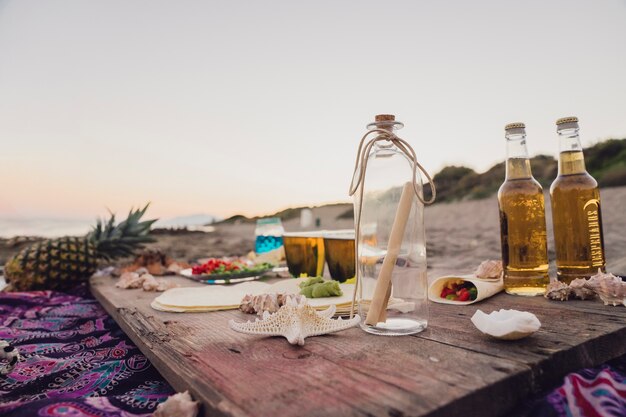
(459, 235)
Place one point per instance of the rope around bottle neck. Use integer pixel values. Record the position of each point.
(358, 181)
(360, 166)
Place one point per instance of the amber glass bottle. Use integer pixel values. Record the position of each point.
(576, 212)
(522, 220)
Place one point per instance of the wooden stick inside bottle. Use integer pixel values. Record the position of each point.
(382, 292)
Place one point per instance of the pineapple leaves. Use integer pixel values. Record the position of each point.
(113, 241)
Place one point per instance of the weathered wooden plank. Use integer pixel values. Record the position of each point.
(573, 335)
(446, 370)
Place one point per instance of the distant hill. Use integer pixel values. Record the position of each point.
(284, 215)
(605, 161)
(186, 221)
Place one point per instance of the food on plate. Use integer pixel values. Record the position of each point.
(316, 287)
(216, 266)
(156, 263)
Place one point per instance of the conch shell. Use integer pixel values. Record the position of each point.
(610, 288)
(580, 289)
(295, 321)
(143, 280)
(258, 304)
(558, 291)
(489, 269)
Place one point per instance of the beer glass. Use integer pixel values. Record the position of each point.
(305, 253)
(339, 250)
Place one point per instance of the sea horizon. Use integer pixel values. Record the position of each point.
(52, 227)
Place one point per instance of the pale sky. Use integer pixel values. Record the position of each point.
(226, 107)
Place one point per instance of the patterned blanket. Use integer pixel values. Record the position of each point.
(77, 362)
(594, 392)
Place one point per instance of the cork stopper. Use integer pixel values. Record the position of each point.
(386, 122)
(385, 118)
(567, 123)
(516, 125)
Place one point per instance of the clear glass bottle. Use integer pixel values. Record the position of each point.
(522, 220)
(388, 199)
(576, 214)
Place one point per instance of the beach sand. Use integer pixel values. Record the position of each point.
(459, 235)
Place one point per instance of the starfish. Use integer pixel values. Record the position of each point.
(295, 321)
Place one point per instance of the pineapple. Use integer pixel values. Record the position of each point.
(58, 264)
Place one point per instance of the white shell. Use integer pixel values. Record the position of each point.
(178, 405)
(295, 321)
(10, 354)
(489, 269)
(506, 324)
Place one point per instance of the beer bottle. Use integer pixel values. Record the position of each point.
(522, 220)
(576, 213)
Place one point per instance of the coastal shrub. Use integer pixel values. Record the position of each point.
(614, 177)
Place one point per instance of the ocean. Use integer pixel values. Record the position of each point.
(46, 227)
(55, 227)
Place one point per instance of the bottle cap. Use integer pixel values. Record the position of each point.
(567, 123)
(385, 121)
(516, 128)
(516, 125)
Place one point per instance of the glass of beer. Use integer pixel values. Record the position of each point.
(339, 249)
(305, 253)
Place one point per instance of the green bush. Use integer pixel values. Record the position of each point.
(606, 162)
(614, 177)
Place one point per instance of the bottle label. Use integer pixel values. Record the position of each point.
(592, 209)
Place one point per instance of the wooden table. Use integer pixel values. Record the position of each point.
(448, 370)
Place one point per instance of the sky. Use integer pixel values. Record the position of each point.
(225, 107)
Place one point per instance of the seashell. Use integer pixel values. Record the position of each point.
(141, 271)
(258, 304)
(150, 283)
(610, 288)
(506, 324)
(489, 269)
(295, 321)
(145, 281)
(557, 290)
(578, 288)
(178, 405)
(129, 280)
(10, 354)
